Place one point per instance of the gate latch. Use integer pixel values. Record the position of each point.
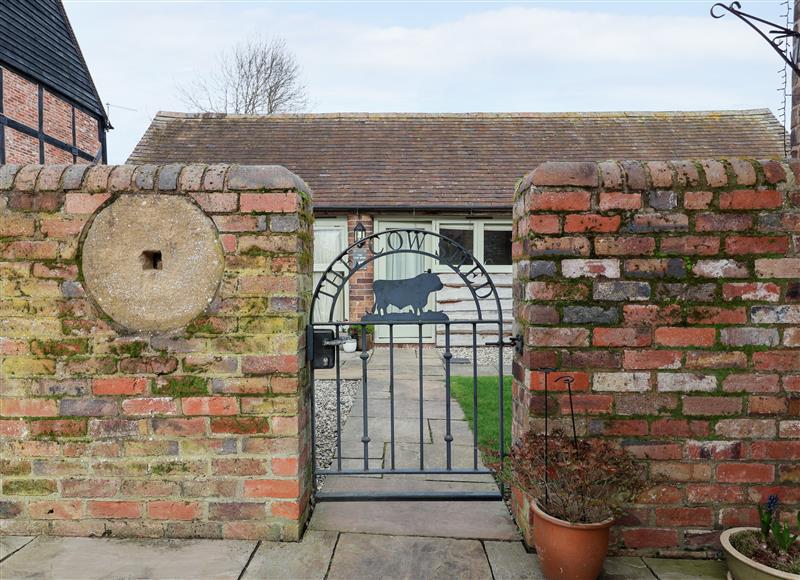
(515, 341)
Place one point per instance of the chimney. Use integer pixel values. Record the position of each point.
(795, 113)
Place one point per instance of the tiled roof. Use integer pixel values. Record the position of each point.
(438, 161)
(37, 40)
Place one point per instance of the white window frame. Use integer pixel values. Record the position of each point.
(478, 228)
(339, 224)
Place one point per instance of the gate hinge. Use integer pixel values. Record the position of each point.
(515, 341)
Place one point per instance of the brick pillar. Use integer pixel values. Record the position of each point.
(361, 297)
(200, 431)
(669, 293)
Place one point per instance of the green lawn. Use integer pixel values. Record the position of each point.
(488, 407)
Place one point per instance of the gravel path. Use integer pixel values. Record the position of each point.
(487, 355)
(325, 416)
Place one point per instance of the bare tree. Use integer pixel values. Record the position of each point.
(257, 77)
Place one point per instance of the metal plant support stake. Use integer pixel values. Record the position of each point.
(777, 36)
(568, 380)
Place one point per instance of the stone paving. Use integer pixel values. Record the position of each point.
(346, 540)
(482, 520)
(321, 555)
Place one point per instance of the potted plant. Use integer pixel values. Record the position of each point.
(773, 551)
(578, 488)
(355, 334)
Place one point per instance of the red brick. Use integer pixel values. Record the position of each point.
(589, 404)
(691, 245)
(697, 199)
(639, 336)
(556, 381)
(150, 406)
(757, 244)
(756, 291)
(591, 223)
(656, 450)
(286, 509)
(715, 315)
(84, 203)
(560, 201)
(30, 250)
(269, 202)
(624, 246)
(28, 407)
(55, 509)
(745, 473)
(264, 365)
(119, 386)
(59, 427)
(618, 200)
(715, 450)
(650, 538)
(236, 223)
(776, 360)
(712, 405)
(746, 428)
(680, 336)
(542, 336)
(89, 487)
(173, 510)
(765, 405)
(683, 517)
(179, 427)
(720, 222)
(12, 428)
(786, 450)
(276, 488)
(679, 428)
(544, 224)
(285, 466)
(652, 314)
(240, 425)
(715, 493)
(738, 516)
(750, 199)
(238, 466)
(114, 509)
(751, 383)
(210, 406)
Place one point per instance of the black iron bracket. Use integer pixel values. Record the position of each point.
(514, 341)
(776, 35)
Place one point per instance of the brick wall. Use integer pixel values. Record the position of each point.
(670, 292)
(361, 297)
(20, 102)
(203, 432)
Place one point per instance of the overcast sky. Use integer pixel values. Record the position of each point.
(436, 57)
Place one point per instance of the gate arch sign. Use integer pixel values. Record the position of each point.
(380, 245)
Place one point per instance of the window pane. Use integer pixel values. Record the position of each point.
(448, 254)
(327, 245)
(497, 247)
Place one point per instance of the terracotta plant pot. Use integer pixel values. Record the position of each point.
(740, 567)
(569, 551)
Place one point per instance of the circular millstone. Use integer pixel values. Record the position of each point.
(152, 262)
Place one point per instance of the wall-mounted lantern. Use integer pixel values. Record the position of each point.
(360, 251)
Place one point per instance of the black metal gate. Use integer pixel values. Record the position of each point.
(324, 340)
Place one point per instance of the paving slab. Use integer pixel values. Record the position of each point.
(103, 558)
(396, 557)
(673, 569)
(483, 520)
(10, 544)
(510, 560)
(626, 568)
(308, 559)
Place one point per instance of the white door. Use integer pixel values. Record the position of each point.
(400, 267)
(330, 239)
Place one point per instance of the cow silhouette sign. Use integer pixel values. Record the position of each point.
(414, 292)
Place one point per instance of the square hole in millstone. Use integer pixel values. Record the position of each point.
(151, 260)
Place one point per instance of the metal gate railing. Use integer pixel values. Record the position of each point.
(324, 342)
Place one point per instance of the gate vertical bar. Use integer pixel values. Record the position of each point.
(448, 437)
(421, 407)
(310, 357)
(501, 386)
(475, 394)
(364, 357)
(338, 406)
(391, 391)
